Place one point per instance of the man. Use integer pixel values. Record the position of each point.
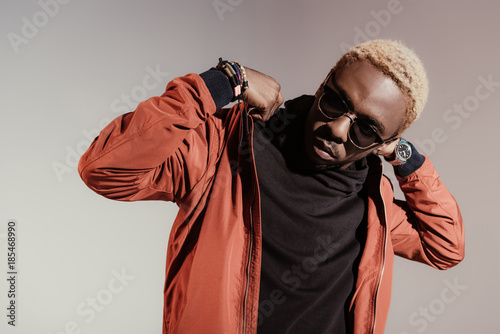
(286, 223)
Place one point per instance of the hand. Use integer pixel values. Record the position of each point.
(388, 150)
(263, 93)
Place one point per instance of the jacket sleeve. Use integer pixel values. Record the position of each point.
(427, 227)
(161, 150)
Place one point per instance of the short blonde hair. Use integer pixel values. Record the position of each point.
(398, 62)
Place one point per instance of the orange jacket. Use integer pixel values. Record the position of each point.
(178, 147)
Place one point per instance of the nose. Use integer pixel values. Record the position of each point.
(339, 128)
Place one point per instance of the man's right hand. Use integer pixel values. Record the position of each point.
(263, 93)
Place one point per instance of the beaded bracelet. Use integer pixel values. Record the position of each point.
(243, 75)
(236, 75)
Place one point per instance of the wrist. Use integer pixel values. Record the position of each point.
(414, 162)
(401, 153)
(219, 87)
(236, 75)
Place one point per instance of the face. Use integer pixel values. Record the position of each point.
(373, 98)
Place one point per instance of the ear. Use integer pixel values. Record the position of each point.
(387, 149)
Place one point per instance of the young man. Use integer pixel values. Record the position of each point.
(286, 223)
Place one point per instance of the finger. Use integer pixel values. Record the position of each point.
(280, 99)
(256, 113)
(257, 117)
(269, 113)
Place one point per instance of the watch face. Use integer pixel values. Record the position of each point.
(404, 151)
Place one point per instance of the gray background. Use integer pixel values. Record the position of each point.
(67, 65)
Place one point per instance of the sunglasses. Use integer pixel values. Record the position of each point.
(361, 134)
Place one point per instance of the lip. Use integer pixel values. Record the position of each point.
(323, 150)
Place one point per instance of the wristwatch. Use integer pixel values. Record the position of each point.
(403, 153)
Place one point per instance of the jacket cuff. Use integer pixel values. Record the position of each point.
(411, 165)
(219, 87)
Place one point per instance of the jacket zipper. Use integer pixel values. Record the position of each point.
(249, 263)
(383, 259)
(249, 136)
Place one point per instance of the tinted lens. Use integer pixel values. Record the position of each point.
(362, 134)
(332, 105)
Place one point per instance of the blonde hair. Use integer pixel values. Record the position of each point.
(398, 62)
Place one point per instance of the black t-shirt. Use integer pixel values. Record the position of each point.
(313, 227)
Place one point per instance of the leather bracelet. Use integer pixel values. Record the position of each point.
(236, 75)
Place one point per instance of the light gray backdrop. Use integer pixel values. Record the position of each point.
(86, 264)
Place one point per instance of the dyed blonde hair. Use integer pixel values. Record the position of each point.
(398, 62)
